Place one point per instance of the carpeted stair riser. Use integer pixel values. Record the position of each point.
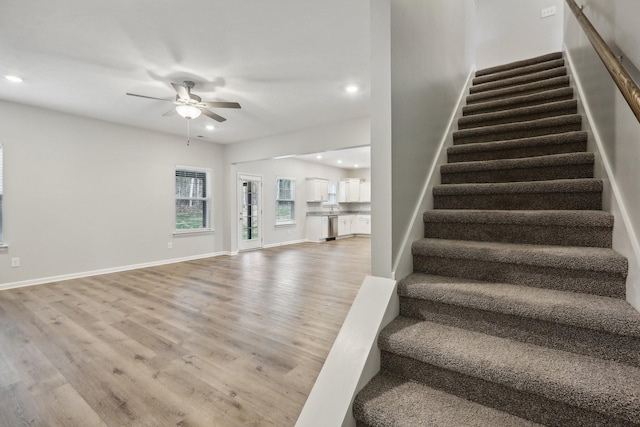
(534, 228)
(420, 405)
(568, 194)
(549, 334)
(523, 114)
(565, 166)
(570, 142)
(519, 80)
(563, 279)
(597, 271)
(519, 64)
(522, 404)
(520, 71)
(518, 91)
(539, 98)
(529, 129)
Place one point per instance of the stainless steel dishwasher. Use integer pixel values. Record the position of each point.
(333, 227)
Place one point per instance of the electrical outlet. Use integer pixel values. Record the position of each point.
(15, 262)
(550, 11)
(170, 245)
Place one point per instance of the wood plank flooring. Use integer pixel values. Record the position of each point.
(225, 341)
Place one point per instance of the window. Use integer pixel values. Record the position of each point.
(332, 200)
(193, 199)
(285, 201)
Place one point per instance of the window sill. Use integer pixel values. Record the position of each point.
(285, 224)
(192, 232)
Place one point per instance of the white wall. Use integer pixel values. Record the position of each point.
(430, 62)
(511, 30)
(616, 131)
(83, 195)
(381, 210)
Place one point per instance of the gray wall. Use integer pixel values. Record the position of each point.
(616, 131)
(430, 62)
(510, 30)
(82, 195)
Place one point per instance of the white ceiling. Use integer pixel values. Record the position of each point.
(349, 158)
(285, 61)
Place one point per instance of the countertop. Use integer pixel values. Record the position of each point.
(339, 213)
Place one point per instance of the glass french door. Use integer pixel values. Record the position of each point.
(249, 212)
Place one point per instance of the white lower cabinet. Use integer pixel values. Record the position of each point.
(317, 228)
(363, 224)
(344, 225)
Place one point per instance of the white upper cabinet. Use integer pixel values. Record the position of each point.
(349, 190)
(317, 190)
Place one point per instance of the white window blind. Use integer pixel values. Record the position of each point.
(193, 199)
(285, 201)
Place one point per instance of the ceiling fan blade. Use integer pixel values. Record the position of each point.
(222, 105)
(150, 97)
(212, 115)
(182, 91)
(171, 112)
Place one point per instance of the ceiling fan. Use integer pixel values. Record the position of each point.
(190, 105)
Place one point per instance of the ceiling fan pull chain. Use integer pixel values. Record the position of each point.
(188, 132)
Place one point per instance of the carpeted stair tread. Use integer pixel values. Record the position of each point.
(557, 166)
(526, 129)
(388, 401)
(561, 194)
(537, 227)
(585, 382)
(557, 186)
(543, 97)
(567, 218)
(519, 148)
(611, 315)
(520, 90)
(545, 256)
(519, 71)
(522, 114)
(515, 81)
(518, 64)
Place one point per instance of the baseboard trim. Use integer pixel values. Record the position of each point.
(80, 275)
(290, 242)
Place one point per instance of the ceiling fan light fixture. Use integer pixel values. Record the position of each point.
(188, 111)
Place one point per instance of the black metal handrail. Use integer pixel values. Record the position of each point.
(621, 77)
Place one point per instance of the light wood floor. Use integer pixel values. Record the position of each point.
(226, 341)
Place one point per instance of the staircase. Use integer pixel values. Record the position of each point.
(515, 313)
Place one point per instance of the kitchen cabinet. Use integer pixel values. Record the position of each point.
(345, 224)
(363, 224)
(365, 191)
(317, 228)
(349, 190)
(317, 190)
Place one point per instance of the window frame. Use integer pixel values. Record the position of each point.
(291, 199)
(206, 198)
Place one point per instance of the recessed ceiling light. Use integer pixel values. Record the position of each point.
(318, 157)
(210, 127)
(339, 161)
(355, 166)
(352, 88)
(14, 79)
